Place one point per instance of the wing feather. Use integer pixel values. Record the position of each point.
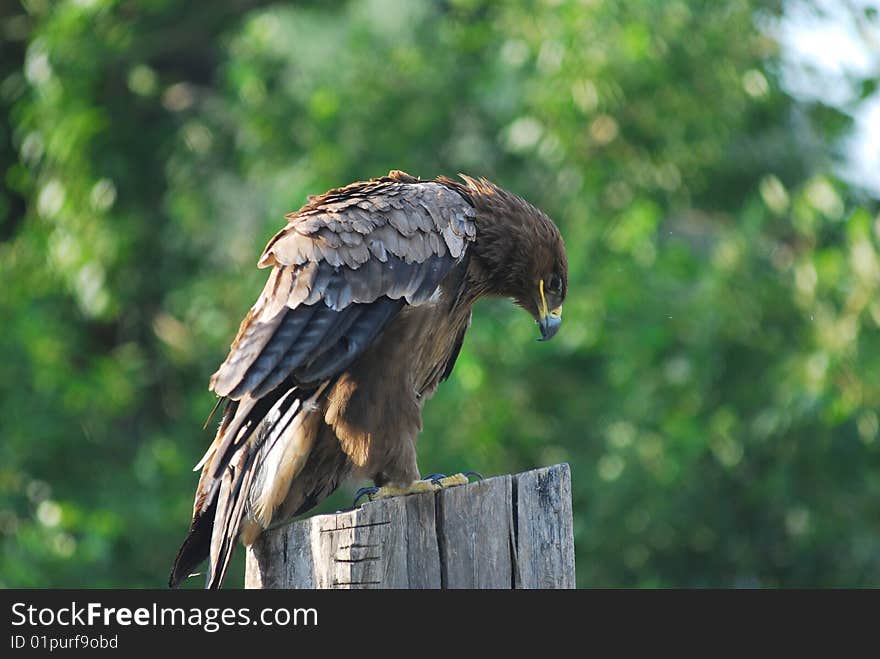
(289, 330)
(352, 343)
(379, 240)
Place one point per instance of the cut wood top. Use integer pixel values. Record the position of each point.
(512, 531)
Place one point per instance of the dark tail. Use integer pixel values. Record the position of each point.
(195, 548)
(248, 431)
(214, 531)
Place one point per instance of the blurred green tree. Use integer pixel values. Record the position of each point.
(715, 386)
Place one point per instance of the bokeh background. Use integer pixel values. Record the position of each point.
(714, 167)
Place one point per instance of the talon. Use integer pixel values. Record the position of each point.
(475, 474)
(368, 492)
(435, 479)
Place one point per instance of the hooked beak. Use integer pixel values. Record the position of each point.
(548, 321)
(550, 324)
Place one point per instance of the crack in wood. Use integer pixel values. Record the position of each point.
(357, 545)
(514, 531)
(338, 584)
(356, 560)
(356, 526)
(441, 539)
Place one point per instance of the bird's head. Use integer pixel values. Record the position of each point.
(521, 254)
(542, 290)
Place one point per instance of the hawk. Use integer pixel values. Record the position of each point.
(362, 316)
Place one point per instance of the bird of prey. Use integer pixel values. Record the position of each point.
(362, 316)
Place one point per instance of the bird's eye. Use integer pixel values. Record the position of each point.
(554, 284)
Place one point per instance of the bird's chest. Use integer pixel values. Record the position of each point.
(375, 407)
(426, 338)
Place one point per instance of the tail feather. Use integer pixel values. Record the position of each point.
(262, 453)
(248, 433)
(230, 446)
(195, 548)
(231, 503)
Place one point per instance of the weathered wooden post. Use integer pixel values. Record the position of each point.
(503, 532)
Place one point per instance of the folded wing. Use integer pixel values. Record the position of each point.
(342, 268)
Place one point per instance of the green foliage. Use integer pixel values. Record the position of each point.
(715, 383)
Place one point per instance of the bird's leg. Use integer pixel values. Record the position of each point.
(429, 483)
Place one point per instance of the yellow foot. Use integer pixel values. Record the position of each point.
(430, 484)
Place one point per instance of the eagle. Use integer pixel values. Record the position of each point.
(363, 315)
